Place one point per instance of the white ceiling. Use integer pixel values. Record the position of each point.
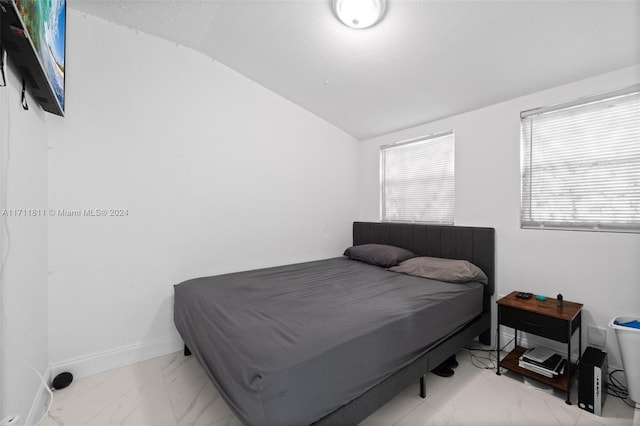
(426, 60)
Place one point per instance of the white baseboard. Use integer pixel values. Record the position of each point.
(119, 357)
(41, 400)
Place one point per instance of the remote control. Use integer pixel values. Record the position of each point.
(523, 295)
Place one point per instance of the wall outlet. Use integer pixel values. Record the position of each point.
(597, 336)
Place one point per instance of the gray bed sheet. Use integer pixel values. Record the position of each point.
(290, 344)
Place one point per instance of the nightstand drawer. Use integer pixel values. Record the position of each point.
(530, 322)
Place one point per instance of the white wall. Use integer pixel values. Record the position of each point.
(600, 270)
(217, 173)
(23, 178)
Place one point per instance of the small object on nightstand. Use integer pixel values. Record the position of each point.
(539, 297)
(559, 301)
(523, 295)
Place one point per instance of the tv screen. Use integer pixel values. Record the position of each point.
(45, 23)
(33, 33)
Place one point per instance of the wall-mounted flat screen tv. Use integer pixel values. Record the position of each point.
(33, 33)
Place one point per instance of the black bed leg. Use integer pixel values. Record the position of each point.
(485, 337)
(187, 352)
(423, 388)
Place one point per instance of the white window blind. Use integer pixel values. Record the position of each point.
(417, 180)
(581, 164)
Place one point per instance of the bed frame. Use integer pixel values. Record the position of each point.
(477, 245)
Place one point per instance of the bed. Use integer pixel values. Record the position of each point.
(330, 341)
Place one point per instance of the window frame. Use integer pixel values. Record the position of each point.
(384, 217)
(569, 109)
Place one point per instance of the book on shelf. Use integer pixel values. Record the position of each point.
(549, 364)
(543, 371)
(539, 354)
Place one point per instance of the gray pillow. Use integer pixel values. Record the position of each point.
(379, 254)
(447, 270)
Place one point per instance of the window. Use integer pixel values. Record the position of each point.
(581, 164)
(417, 181)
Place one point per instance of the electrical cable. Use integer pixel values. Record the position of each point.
(46, 386)
(4, 231)
(482, 362)
(2, 62)
(617, 389)
(485, 362)
(2, 252)
(6, 234)
(23, 97)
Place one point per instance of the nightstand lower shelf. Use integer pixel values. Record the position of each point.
(510, 362)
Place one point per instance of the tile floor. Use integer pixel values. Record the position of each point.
(173, 390)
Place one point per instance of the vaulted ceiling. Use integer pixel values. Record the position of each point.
(426, 60)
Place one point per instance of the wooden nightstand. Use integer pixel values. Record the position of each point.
(542, 318)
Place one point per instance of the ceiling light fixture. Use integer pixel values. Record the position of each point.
(359, 13)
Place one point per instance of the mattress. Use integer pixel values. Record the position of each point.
(290, 344)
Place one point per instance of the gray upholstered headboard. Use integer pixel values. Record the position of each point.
(477, 245)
